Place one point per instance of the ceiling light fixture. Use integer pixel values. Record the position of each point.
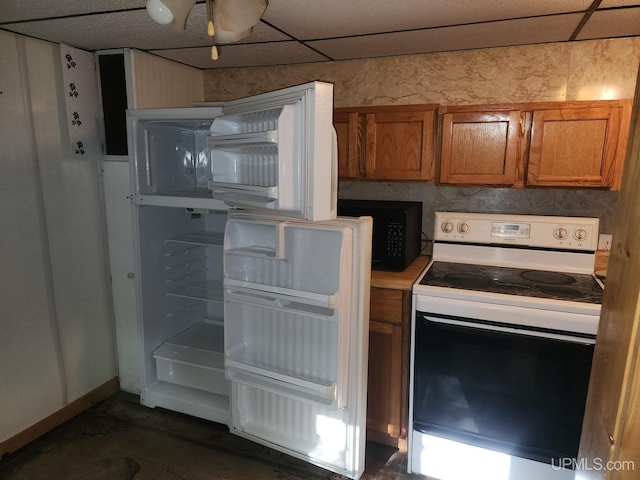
(159, 12)
(227, 20)
(175, 12)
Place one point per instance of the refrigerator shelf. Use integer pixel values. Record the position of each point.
(210, 291)
(206, 239)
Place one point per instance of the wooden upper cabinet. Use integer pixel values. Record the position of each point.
(386, 143)
(400, 145)
(546, 144)
(481, 147)
(350, 140)
(579, 145)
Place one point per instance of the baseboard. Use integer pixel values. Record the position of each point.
(58, 418)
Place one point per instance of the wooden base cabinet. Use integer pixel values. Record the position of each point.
(389, 328)
(384, 387)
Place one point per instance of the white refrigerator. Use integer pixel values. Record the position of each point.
(252, 296)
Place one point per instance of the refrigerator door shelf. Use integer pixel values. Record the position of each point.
(306, 258)
(255, 152)
(323, 395)
(276, 152)
(286, 298)
(247, 195)
(254, 238)
(318, 434)
(298, 348)
(266, 138)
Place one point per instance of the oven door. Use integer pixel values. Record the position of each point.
(499, 386)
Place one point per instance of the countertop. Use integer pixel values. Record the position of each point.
(403, 280)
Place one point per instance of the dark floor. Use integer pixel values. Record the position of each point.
(120, 440)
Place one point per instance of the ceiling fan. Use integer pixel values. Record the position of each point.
(228, 20)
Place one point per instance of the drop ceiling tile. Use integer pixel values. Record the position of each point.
(618, 3)
(20, 10)
(623, 22)
(247, 55)
(131, 29)
(485, 35)
(312, 19)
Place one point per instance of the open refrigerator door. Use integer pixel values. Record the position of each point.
(296, 321)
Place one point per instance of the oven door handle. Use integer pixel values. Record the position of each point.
(508, 328)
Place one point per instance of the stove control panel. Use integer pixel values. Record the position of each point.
(570, 233)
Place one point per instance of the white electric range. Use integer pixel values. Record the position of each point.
(504, 324)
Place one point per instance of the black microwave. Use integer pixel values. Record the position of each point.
(397, 228)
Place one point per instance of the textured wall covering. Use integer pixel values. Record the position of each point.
(589, 70)
(557, 71)
(580, 203)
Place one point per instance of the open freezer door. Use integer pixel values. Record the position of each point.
(277, 152)
(296, 336)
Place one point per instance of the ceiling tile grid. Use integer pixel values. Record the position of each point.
(307, 31)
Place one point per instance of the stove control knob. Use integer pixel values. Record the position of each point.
(560, 233)
(463, 227)
(580, 234)
(446, 227)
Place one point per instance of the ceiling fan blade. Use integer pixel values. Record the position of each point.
(238, 15)
(180, 10)
(222, 36)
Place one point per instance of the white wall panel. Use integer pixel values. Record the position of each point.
(30, 386)
(73, 211)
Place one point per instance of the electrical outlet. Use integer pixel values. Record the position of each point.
(604, 241)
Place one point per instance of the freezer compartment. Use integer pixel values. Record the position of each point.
(195, 358)
(172, 158)
(287, 345)
(316, 434)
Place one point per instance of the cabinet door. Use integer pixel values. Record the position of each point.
(400, 145)
(576, 147)
(384, 409)
(482, 148)
(349, 130)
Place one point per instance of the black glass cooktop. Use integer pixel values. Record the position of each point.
(514, 281)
